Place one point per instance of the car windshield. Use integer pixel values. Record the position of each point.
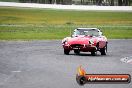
(87, 32)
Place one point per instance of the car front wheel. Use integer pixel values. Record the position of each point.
(103, 50)
(66, 51)
(93, 53)
(77, 52)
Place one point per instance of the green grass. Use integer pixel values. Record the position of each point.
(30, 24)
(9, 0)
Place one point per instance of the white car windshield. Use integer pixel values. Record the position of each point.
(87, 32)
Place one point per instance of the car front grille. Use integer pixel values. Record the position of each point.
(77, 46)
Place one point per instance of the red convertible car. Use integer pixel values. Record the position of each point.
(85, 40)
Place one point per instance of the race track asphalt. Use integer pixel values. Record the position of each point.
(42, 64)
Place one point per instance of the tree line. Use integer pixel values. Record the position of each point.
(95, 2)
(119, 2)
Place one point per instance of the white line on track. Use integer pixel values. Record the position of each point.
(16, 71)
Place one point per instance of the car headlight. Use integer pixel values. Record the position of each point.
(91, 41)
(66, 42)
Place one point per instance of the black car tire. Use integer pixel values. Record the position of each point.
(77, 52)
(66, 51)
(93, 53)
(103, 50)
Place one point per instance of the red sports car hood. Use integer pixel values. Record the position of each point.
(82, 40)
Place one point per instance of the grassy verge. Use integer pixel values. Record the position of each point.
(30, 24)
(9, 0)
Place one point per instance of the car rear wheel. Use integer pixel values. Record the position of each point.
(103, 50)
(77, 52)
(66, 51)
